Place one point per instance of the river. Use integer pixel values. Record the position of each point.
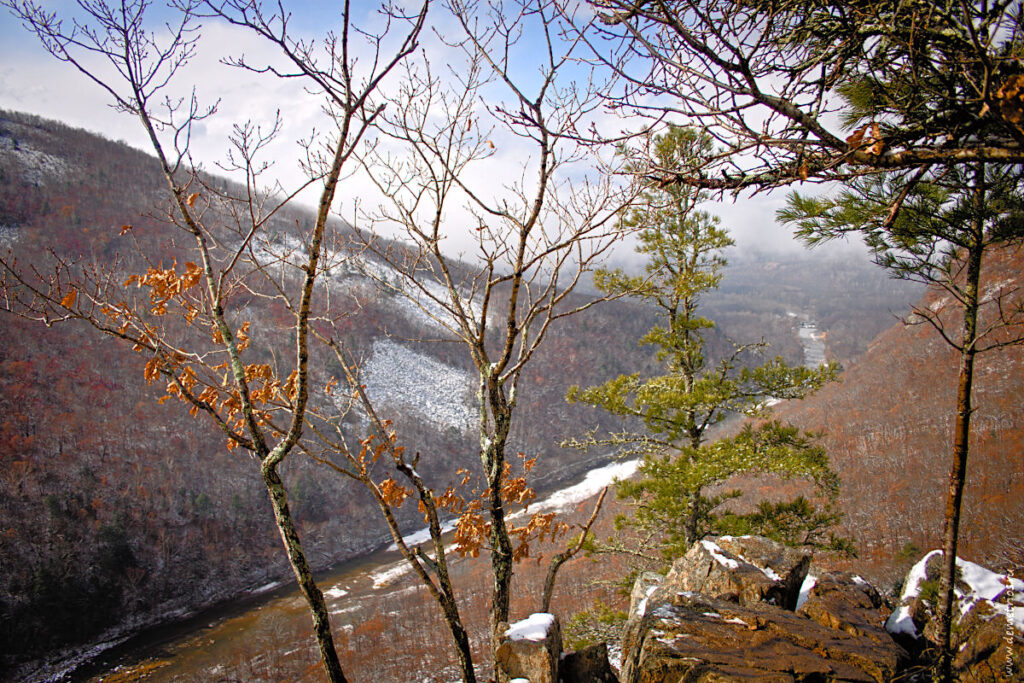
(265, 635)
(813, 342)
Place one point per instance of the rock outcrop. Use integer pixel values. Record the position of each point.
(589, 665)
(531, 649)
(988, 633)
(846, 602)
(725, 612)
(693, 637)
(747, 570)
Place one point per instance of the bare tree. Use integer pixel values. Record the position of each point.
(192, 321)
(534, 237)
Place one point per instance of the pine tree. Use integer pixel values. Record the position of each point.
(676, 496)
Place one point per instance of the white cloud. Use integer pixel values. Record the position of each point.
(32, 81)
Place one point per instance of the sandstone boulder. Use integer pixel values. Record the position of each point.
(772, 573)
(530, 649)
(779, 562)
(589, 665)
(846, 602)
(988, 634)
(988, 649)
(697, 638)
(643, 588)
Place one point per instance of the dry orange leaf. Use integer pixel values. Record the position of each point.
(69, 299)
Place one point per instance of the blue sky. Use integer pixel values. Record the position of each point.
(32, 81)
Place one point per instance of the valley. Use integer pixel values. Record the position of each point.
(119, 482)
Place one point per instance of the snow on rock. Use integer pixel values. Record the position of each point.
(983, 585)
(718, 554)
(986, 586)
(900, 621)
(436, 392)
(805, 590)
(534, 627)
(642, 607)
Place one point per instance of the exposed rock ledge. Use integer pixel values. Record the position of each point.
(740, 625)
(744, 609)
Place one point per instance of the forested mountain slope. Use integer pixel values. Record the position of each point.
(116, 511)
(888, 426)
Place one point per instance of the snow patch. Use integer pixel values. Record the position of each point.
(436, 392)
(267, 587)
(559, 501)
(533, 628)
(805, 590)
(427, 301)
(37, 166)
(389, 574)
(719, 555)
(8, 236)
(423, 535)
(983, 585)
(595, 480)
(336, 592)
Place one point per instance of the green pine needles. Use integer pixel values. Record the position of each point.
(681, 491)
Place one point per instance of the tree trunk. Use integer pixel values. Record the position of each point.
(501, 570)
(303, 574)
(693, 518)
(961, 432)
(459, 635)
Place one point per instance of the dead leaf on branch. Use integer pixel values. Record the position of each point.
(1010, 101)
(393, 493)
(69, 299)
(166, 284)
(867, 138)
(152, 369)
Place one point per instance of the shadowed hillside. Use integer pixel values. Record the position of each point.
(888, 427)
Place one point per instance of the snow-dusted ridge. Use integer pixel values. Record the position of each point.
(36, 166)
(422, 304)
